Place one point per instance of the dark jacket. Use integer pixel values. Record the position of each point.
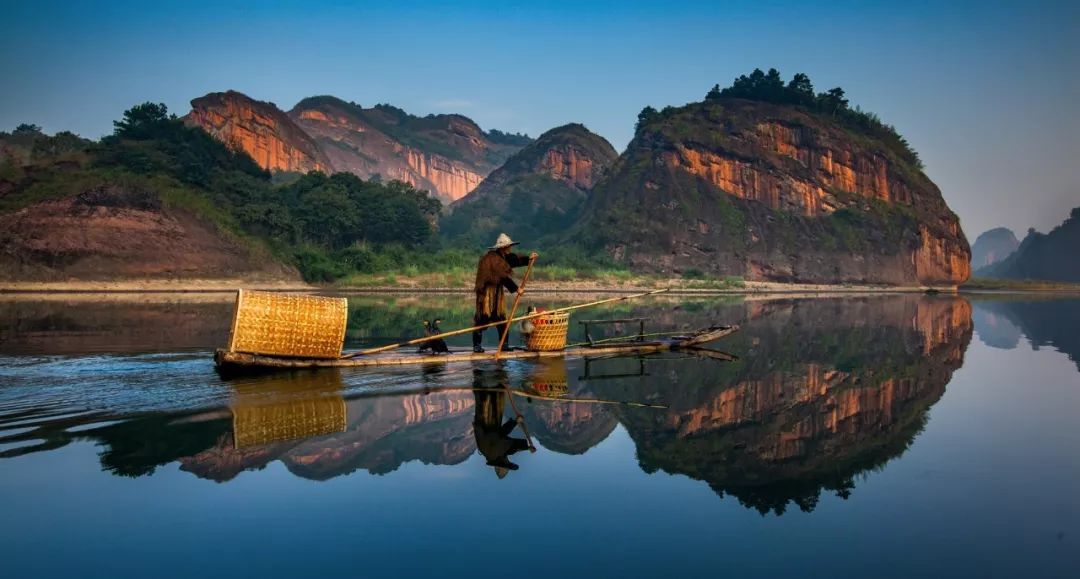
(492, 275)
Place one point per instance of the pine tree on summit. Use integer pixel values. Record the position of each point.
(143, 121)
(801, 90)
(833, 101)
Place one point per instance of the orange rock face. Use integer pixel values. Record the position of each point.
(259, 129)
(770, 159)
(394, 145)
(449, 180)
(810, 193)
(571, 165)
(939, 259)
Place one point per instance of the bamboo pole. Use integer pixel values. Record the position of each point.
(513, 309)
(524, 394)
(493, 324)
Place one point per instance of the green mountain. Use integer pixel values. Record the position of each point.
(1044, 256)
(539, 190)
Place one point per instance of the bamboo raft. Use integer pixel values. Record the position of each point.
(232, 360)
(291, 331)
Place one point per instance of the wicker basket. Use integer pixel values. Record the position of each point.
(288, 325)
(549, 332)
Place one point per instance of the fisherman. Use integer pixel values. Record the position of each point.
(492, 275)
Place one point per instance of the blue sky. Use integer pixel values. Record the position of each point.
(985, 91)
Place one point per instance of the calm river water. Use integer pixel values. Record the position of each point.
(885, 436)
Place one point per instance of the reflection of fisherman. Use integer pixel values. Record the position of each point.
(492, 275)
(492, 434)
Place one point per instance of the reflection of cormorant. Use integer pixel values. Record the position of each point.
(493, 438)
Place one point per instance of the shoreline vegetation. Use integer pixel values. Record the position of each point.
(456, 283)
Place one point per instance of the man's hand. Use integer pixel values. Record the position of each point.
(534, 255)
(521, 291)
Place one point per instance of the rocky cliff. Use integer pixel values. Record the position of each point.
(1044, 256)
(448, 155)
(773, 192)
(992, 246)
(260, 129)
(539, 190)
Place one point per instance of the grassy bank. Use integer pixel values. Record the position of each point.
(1027, 285)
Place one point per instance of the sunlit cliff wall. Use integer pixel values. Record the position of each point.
(260, 129)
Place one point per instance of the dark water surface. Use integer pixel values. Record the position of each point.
(880, 436)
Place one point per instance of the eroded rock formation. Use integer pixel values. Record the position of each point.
(538, 191)
(449, 155)
(260, 129)
(772, 192)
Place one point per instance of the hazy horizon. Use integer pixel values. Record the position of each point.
(985, 93)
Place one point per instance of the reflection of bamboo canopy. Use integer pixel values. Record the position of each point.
(548, 378)
(288, 325)
(288, 408)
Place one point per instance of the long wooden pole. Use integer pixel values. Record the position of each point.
(416, 341)
(513, 309)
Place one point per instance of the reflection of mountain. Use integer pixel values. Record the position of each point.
(374, 434)
(824, 390)
(566, 428)
(385, 433)
(1045, 322)
(827, 390)
(994, 329)
(114, 326)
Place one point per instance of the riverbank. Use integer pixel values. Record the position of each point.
(441, 283)
(431, 284)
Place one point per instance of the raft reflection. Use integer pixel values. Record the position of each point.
(824, 390)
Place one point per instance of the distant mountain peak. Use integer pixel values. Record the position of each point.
(539, 189)
(993, 246)
(1044, 256)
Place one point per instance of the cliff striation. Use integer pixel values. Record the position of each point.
(258, 128)
(449, 155)
(774, 192)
